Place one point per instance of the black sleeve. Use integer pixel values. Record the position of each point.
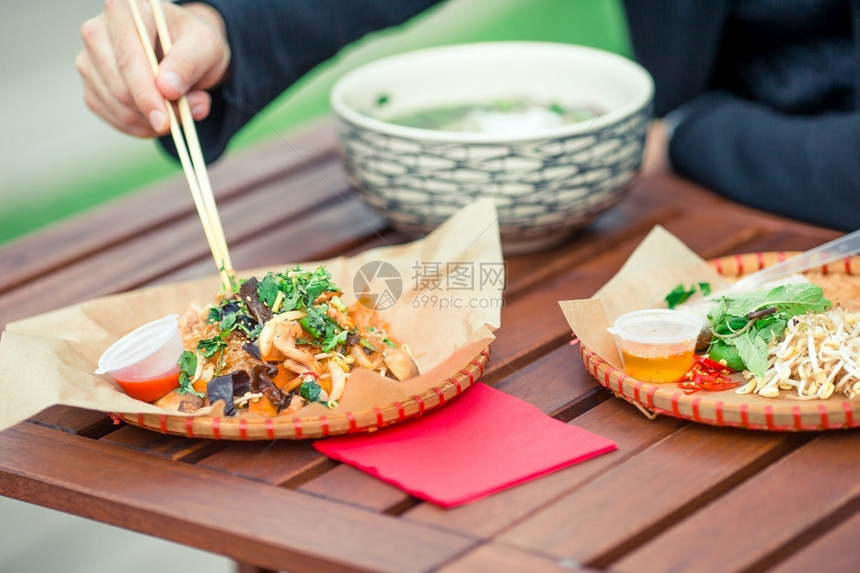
(677, 41)
(803, 167)
(273, 43)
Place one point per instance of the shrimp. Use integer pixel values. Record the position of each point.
(284, 341)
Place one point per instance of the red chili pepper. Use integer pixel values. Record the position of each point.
(707, 374)
(712, 364)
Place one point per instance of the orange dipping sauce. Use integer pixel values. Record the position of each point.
(667, 368)
(153, 388)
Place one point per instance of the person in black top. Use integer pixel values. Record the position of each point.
(760, 98)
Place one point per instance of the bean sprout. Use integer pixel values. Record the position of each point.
(817, 356)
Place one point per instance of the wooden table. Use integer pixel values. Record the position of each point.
(674, 496)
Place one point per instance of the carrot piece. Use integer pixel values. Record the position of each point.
(325, 384)
(200, 385)
(262, 407)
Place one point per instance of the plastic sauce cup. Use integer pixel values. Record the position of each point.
(144, 362)
(657, 345)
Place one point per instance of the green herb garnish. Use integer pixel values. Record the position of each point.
(187, 367)
(680, 293)
(208, 347)
(744, 325)
(368, 345)
(310, 391)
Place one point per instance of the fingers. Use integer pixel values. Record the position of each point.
(104, 91)
(135, 79)
(200, 103)
(199, 56)
(655, 160)
(119, 85)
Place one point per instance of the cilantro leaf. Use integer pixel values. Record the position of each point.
(208, 347)
(269, 288)
(335, 340)
(228, 322)
(187, 368)
(310, 390)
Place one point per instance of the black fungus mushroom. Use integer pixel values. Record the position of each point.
(261, 382)
(352, 338)
(248, 292)
(227, 386)
(253, 350)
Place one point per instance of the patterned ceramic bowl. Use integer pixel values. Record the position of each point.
(547, 180)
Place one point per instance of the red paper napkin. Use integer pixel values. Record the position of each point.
(482, 442)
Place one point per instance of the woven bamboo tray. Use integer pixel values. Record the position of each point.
(297, 428)
(840, 282)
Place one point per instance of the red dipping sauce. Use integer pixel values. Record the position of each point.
(150, 389)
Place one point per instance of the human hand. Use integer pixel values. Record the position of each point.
(656, 156)
(119, 85)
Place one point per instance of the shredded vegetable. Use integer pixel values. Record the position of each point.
(818, 355)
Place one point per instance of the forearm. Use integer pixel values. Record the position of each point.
(807, 168)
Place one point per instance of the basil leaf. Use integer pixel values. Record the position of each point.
(753, 351)
(678, 295)
(724, 351)
(797, 299)
(770, 327)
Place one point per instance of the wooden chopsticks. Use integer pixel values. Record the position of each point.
(188, 148)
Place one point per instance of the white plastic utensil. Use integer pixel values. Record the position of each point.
(835, 250)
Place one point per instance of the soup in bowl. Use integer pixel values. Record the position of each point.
(554, 133)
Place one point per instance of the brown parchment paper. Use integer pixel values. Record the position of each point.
(658, 265)
(446, 320)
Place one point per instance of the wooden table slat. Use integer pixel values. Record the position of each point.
(658, 486)
(346, 484)
(74, 420)
(163, 445)
(247, 520)
(835, 550)
(766, 513)
(281, 462)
